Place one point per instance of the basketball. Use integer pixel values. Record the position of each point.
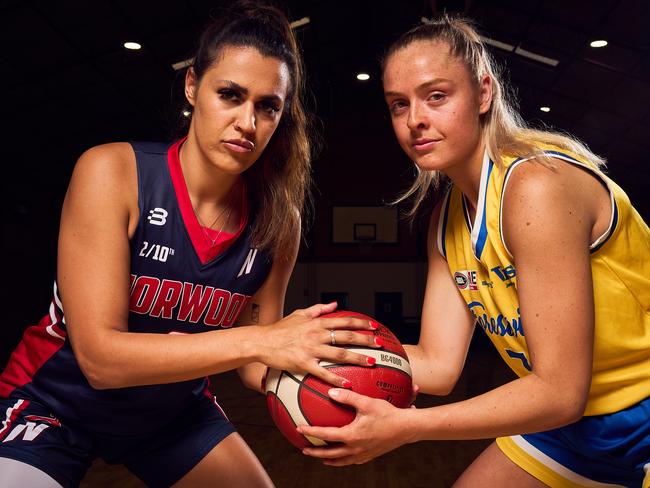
(297, 398)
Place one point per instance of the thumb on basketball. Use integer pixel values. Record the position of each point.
(348, 397)
(320, 309)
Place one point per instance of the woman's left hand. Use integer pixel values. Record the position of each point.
(379, 427)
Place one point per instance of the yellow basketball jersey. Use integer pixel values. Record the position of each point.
(485, 274)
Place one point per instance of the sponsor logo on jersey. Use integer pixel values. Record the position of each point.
(29, 431)
(185, 302)
(48, 420)
(248, 262)
(499, 325)
(157, 216)
(505, 273)
(157, 252)
(465, 280)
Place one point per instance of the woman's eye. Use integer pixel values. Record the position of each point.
(227, 94)
(269, 107)
(436, 97)
(396, 106)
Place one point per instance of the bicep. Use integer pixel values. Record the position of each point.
(93, 251)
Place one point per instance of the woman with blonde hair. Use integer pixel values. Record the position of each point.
(533, 243)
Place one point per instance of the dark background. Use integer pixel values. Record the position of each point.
(68, 84)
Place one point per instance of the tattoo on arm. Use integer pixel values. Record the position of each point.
(255, 313)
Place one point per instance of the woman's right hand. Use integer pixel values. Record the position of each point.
(300, 340)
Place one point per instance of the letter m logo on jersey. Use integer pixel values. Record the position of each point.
(248, 263)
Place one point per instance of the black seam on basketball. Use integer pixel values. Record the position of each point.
(293, 377)
(291, 418)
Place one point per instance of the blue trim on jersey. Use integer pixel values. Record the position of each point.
(610, 448)
(482, 236)
(521, 356)
(611, 230)
(558, 153)
(445, 218)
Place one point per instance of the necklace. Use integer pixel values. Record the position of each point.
(210, 241)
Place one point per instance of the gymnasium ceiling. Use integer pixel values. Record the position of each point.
(69, 82)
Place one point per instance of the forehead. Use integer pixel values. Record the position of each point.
(420, 62)
(249, 68)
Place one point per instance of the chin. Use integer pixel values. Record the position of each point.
(429, 163)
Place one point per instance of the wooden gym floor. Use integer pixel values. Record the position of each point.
(425, 464)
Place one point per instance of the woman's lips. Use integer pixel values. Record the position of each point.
(424, 144)
(239, 145)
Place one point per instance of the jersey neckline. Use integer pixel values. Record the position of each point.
(205, 251)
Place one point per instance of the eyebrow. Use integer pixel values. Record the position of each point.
(236, 86)
(426, 84)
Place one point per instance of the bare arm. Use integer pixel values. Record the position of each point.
(267, 307)
(446, 328)
(556, 300)
(99, 214)
(548, 220)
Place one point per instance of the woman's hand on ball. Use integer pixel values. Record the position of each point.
(379, 427)
(299, 341)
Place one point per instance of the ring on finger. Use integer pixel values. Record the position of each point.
(333, 337)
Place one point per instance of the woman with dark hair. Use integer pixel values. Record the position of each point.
(534, 244)
(162, 251)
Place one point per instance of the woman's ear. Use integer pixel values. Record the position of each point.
(191, 86)
(485, 94)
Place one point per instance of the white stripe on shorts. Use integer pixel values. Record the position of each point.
(557, 467)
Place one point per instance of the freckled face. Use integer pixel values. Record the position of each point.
(237, 104)
(434, 105)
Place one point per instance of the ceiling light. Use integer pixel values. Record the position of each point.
(598, 43)
(132, 45)
(545, 109)
(363, 76)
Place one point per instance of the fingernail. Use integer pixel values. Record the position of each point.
(371, 361)
(379, 341)
(334, 393)
(347, 384)
(374, 325)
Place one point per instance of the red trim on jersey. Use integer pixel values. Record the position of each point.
(213, 399)
(11, 415)
(36, 348)
(206, 251)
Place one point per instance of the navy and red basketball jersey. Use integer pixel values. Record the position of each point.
(180, 283)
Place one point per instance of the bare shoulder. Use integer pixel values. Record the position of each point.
(564, 182)
(539, 198)
(105, 174)
(113, 160)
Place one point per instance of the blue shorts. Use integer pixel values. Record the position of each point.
(30, 433)
(599, 451)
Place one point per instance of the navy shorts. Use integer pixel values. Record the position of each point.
(30, 433)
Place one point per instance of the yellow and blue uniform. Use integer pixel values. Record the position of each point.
(486, 275)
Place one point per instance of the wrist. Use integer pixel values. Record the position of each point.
(411, 424)
(252, 343)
